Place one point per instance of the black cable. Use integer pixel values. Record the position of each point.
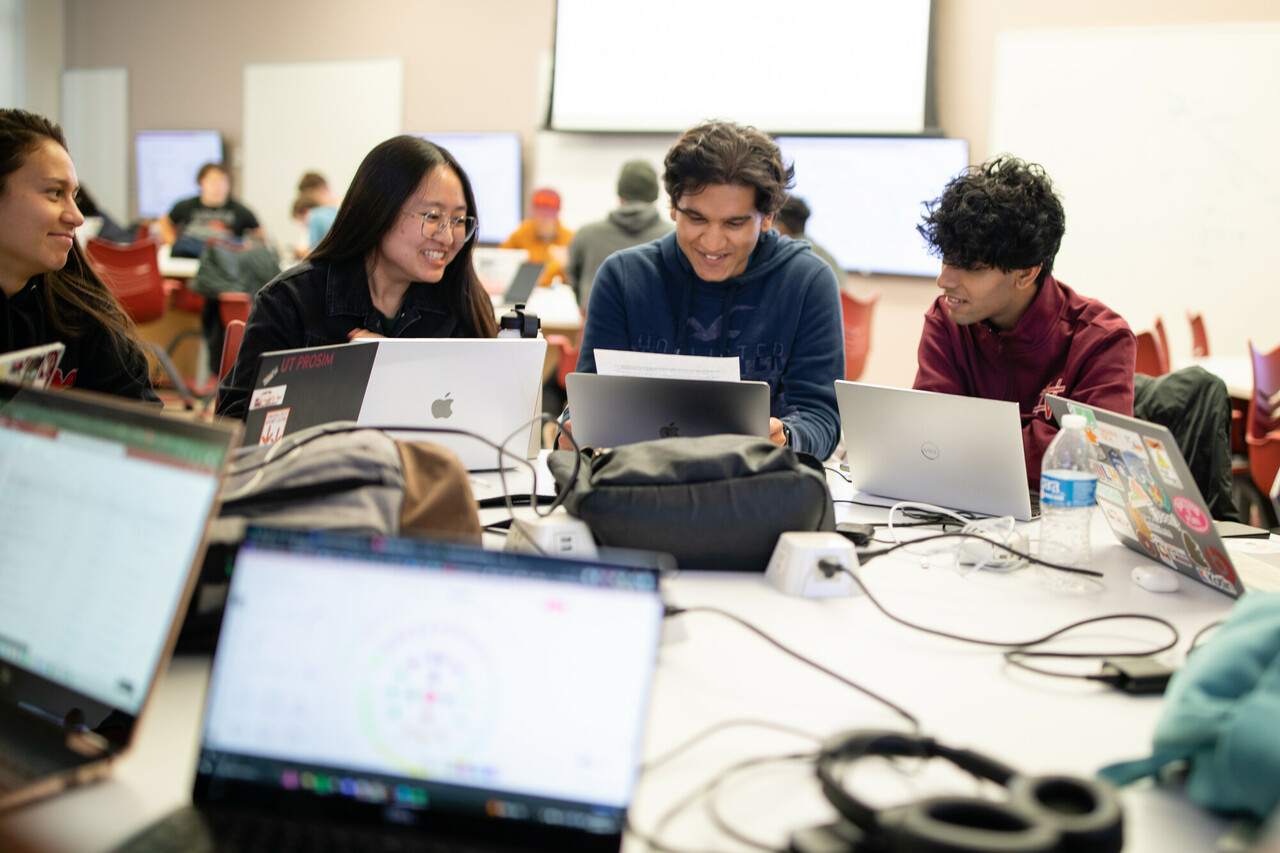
(865, 557)
(1195, 641)
(720, 823)
(716, 729)
(915, 723)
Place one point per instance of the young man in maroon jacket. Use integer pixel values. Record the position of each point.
(1004, 328)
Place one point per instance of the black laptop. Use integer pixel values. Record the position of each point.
(405, 695)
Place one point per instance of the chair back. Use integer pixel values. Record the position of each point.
(1262, 429)
(857, 332)
(1152, 358)
(1199, 340)
(234, 306)
(230, 347)
(131, 272)
(1163, 338)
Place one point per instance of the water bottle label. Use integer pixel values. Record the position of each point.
(1067, 489)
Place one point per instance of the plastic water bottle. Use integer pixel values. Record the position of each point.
(1068, 482)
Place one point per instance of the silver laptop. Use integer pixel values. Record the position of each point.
(1149, 498)
(610, 410)
(103, 510)
(435, 389)
(396, 692)
(955, 452)
(34, 366)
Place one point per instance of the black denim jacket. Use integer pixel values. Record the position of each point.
(318, 304)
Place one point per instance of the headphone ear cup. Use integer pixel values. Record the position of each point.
(1085, 811)
(965, 825)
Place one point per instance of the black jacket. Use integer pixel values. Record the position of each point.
(318, 304)
(90, 361)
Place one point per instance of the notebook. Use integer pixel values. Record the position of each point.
(103, 509)
(522, 285)
(414, 692)
(610, 410)
(440, 387)
(34, 366)
(1149, 498)
(952, 451)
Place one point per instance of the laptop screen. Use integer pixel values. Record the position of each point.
(429, 685)
(103, 508)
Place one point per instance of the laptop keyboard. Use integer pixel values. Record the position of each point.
(192, 831)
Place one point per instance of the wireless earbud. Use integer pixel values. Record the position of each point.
(1042, 814)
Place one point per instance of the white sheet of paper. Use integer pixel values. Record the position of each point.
(612, 362)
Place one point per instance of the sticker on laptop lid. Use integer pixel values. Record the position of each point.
(267, 397)
(273, 426)
(1163, 464)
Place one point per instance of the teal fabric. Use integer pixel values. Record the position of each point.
(1222, 714)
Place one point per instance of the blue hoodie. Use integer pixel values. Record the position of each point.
(781, 317)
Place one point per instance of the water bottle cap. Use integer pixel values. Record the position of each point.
(1074, 422)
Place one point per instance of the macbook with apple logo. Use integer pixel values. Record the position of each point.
(465, 394)
(610, 410)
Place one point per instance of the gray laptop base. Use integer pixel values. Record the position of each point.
(955, 452)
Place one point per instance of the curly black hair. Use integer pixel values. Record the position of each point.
(1002, 214)
(722, 152)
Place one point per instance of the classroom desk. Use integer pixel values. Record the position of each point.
(712, 670)
(1235, 370)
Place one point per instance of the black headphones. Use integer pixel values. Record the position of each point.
(1043, 814)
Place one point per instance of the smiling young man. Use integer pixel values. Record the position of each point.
(1004, 328)
(724, 284)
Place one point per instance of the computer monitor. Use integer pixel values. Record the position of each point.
(167, 162)
(492, 163)
(867, 195)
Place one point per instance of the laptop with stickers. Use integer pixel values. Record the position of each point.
(406, 695)
(1149, 498)
(431, 389)
(103, 513)
(607, 411)
(34, 366)
(955, 452)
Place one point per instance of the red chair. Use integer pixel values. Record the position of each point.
(132, 274)
(232, 336)
(857, 332)
(1262, 429)
(234, 306)
(568, 361)
(1199, 340)
(1164, 343)
(1152, 358)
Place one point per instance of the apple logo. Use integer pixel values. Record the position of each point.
(443, 407)
(669, 431)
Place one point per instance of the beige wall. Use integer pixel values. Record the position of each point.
(476, 66)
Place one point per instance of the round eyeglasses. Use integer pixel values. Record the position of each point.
(434, 223)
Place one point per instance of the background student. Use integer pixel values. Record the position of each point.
(543, 236)
(213, 213)
(397, 263)
(48, 291)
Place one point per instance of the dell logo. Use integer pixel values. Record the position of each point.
(930, 451)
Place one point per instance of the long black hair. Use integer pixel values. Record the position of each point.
(386, 178)
(75, 299)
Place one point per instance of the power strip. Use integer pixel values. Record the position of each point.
(793, 568)
(557, 535)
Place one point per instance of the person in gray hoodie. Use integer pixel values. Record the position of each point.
(635, 221)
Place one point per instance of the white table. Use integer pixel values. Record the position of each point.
(964, 695)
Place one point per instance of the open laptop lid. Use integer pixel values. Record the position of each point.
(522, 285)
(607, 411)
(465, 693)
(952, 451)
(103, 510)
(34, 366)
(1149, 498)
(484, 386)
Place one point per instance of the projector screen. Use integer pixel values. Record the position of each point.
(492, 164)
(807, 66)
(867, 195)
(168, 161)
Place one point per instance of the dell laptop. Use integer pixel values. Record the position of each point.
(469, 395)
(103, 511)
(955, 452)
(610, 410)
(405, 695)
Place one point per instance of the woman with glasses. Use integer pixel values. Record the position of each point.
(396, 263)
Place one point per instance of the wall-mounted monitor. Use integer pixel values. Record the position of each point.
(805, 66)
(167, 163)
(492, 163)
(866, 195)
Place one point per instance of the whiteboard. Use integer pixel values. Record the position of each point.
(1162, 143)
(95, 120)
(583, 168)
(312, 116)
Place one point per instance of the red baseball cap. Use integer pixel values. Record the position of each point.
(546, 199)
